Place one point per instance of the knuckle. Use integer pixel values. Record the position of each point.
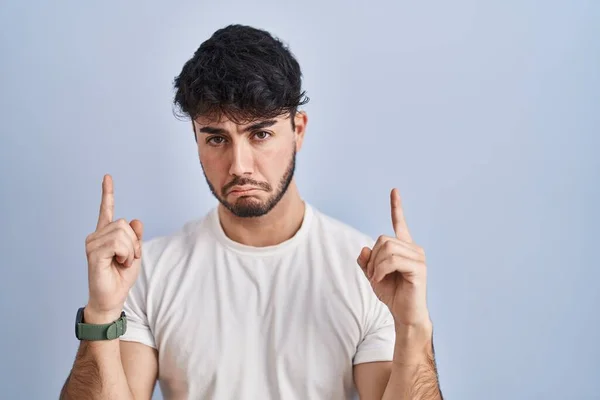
(89, 247)
(113, 242)
(387, 246)
(122, 234)
(125, 237)
(89, 238)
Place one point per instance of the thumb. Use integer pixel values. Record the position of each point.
(363, 258)
(137, 227)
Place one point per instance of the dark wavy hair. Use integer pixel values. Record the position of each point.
(243, 73)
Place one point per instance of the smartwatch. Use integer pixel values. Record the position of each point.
(108, 331)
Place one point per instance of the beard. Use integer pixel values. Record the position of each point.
(248, 206)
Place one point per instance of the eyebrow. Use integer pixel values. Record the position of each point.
(253, 127)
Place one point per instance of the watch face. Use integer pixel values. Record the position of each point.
(78, 320)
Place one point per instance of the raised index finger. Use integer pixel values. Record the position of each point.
(107, 204)
(398, 221)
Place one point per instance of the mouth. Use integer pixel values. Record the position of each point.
(242, 191)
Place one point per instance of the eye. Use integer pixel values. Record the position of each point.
(215, 140)
(262, 135)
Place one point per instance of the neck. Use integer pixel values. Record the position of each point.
(277, 226)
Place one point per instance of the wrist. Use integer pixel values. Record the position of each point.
(423, 327)
(94, 316)
(413, 343)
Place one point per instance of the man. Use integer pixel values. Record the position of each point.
(262, 298)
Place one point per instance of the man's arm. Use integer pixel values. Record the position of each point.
(109, 370)
(112, 369)
(140, 363)
(412, 375)
(97, 373)
(397, 271)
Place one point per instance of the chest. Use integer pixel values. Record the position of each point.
(239, 327)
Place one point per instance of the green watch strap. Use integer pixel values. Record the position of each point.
(108, 331)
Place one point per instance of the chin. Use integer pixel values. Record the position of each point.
(247, 207)
(248, 201)
(249, 211)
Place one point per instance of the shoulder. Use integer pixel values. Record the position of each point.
(176, 245)
(341, 232)
(339, 244)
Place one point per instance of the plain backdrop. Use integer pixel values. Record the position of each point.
(484, 114)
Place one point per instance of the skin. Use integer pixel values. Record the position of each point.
(249, 169)
(260, 159)
(111, 369)
(397, 271)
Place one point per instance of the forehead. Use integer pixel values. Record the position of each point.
(225, 122)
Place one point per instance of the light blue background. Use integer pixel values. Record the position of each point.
(484, 114)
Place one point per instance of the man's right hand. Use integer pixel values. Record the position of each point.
(114, 254)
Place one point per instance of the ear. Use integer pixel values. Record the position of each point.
(300, 120)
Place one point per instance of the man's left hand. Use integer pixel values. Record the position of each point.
(397, 272)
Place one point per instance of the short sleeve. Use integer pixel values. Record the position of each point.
(138, 327)
(380, 335)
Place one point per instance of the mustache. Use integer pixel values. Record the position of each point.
(240, 181)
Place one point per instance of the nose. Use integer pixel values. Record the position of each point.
(242, 160)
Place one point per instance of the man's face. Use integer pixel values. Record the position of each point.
(249, 167)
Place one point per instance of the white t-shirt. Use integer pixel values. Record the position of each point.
(237, 322)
